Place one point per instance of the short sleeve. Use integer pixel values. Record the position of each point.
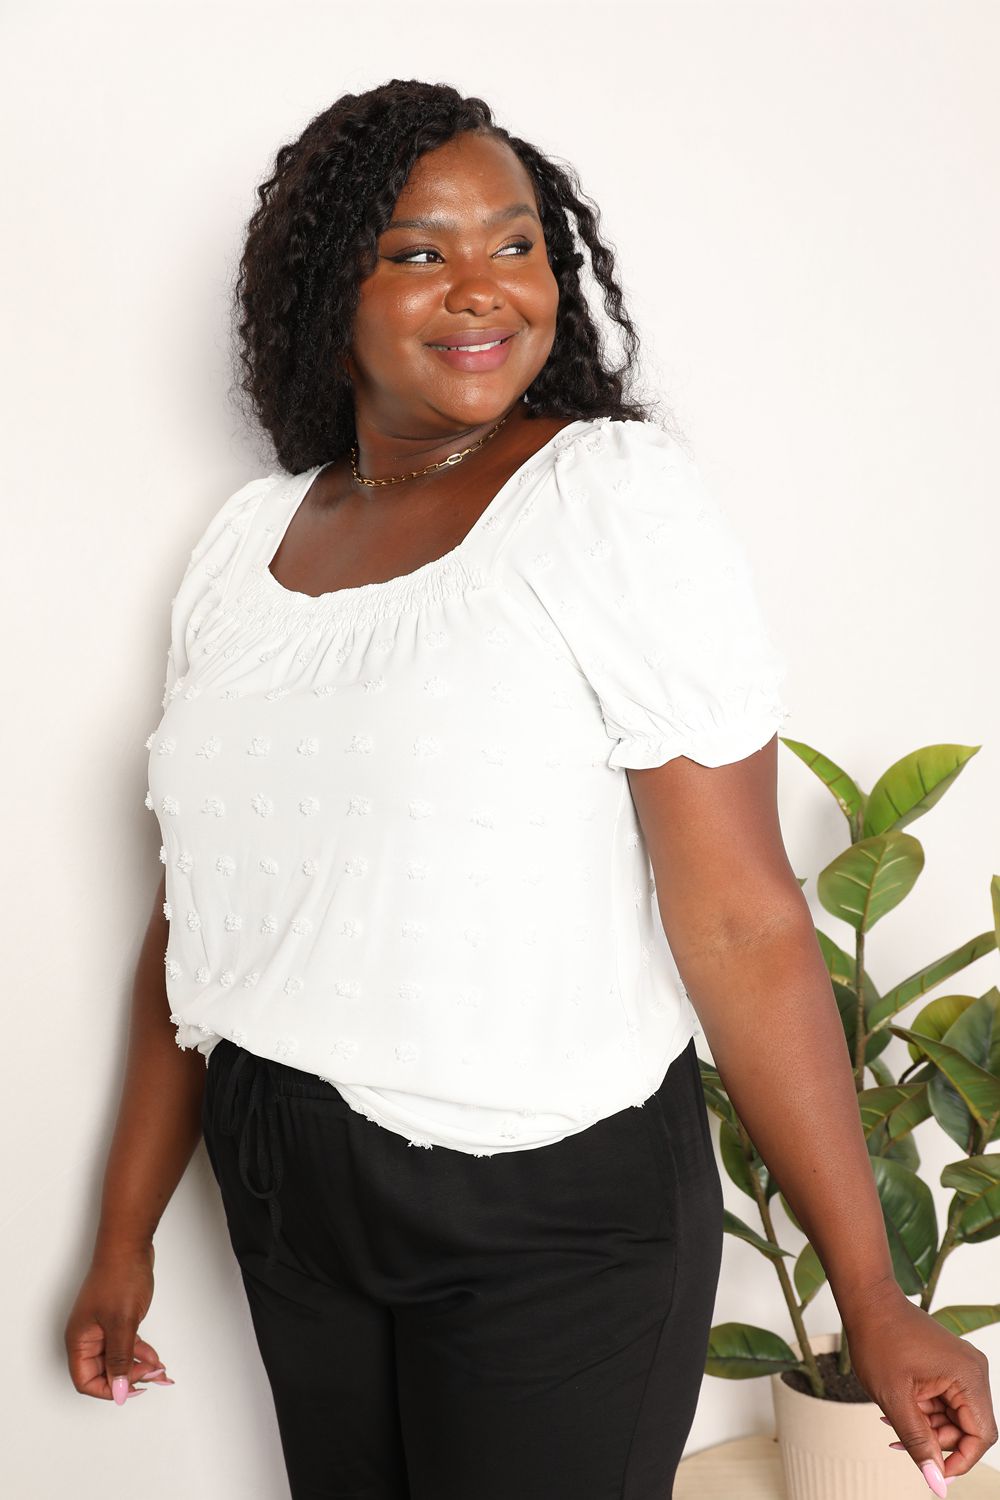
(206, 577)
(642, 574)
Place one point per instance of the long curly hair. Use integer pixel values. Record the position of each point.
(314, 236)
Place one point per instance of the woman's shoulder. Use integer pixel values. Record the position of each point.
(232, 517)
(608, 479)
(619, 443)
(223, 538)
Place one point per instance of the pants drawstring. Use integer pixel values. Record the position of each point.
(262, 1109)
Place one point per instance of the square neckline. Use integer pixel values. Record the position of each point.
(360, 591)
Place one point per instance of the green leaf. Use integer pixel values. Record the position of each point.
(925, 1074)
(977, 1180)
(736, 1227)
(910, 1222)
(808, 1275)
(847, 1004)
(978, 1089)
(864, 882)
(930, 976)
(842, 968)
(718, 1101)
(897, 1109)
(881, 1072)
(913, 785)
(904, 1150)
(720, 1105)
(960, 1319)
(739, 1351)
(836, 781)
(975, 1033)
(953, 1114)
(973, 1176)
(714, 1090)
(790, 1212)
(709, 1073)
(739, 1169)
(935, 1019)
(976, 1225)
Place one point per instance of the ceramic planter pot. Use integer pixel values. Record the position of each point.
(839, 1450)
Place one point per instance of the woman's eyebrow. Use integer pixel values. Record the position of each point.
(512, 211)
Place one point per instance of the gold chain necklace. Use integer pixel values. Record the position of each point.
(453, 458)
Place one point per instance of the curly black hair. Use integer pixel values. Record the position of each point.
(314, 235)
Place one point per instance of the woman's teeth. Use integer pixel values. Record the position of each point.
(469, 348)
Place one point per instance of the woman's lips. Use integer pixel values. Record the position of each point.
(485, 359)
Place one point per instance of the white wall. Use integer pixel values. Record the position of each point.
(803, 198)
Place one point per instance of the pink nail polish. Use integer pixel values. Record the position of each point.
(935, 1479)
(119, 1389)
(897, 1445)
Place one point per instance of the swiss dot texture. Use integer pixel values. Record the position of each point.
(399, 842)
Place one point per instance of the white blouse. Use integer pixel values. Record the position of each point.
(401, 850)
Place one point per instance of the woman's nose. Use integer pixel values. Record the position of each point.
(472, 287)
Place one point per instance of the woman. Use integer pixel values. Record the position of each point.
(451, 695)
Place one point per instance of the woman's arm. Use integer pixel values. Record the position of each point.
(159, 1114)
(745, 946)
(743, 939)
(158, 1125)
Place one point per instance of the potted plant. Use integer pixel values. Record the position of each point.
(831, 1439)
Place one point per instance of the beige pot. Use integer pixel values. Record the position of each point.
(839, 1450)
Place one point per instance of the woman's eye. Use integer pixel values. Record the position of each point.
(408, 257)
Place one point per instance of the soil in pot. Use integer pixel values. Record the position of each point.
(838, 1387)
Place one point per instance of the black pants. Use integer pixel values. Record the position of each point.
(439, 1326)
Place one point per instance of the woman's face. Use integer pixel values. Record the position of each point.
(474, 265)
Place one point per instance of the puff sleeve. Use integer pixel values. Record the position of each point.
(643, 576)
(206, 577)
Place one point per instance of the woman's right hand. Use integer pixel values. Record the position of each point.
(106, 1355)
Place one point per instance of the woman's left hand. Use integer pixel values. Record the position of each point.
(932, 1386)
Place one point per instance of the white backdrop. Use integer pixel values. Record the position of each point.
(803, 198)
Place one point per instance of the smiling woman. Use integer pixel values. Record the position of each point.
(461, 264)
(409, 217)
(452, 692)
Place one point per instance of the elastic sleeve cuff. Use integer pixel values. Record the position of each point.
(717, 744)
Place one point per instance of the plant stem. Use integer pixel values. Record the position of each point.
(860, 1029)
(861, 1035)
(788, 1291)
(844, 1353)
(948, 1241)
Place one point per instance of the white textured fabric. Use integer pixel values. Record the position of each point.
(401, 850)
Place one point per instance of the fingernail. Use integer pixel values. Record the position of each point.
(935, 1479)
(160, 1370)
(119, 1389)
(886, 1421)
(135, 1391)
(897, 1445)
